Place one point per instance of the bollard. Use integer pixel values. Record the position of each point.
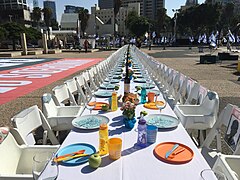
(238, 67)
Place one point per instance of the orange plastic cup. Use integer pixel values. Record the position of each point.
(151, 96)
(115, 148)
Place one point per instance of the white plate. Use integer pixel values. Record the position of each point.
(89, 121)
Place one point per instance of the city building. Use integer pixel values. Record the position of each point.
(14, 11)
(52, 5)
(72, 9)
(106, 4)
(148, 8)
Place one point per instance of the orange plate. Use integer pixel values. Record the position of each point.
(152, 105)
(98, 105)
(180, 158)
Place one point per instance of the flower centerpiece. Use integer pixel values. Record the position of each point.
(128, 109)
(130, 73)
(129, 105)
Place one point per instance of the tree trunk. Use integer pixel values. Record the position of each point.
(14, 44)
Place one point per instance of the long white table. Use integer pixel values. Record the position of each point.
(135, 163)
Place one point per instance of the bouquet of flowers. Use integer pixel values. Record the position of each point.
(128, 109)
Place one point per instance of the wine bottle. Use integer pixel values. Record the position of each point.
(127, 79)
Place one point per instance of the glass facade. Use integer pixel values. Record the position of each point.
(52, 6)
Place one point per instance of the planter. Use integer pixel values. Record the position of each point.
(129, 123)
(227, 56)
(205, 59)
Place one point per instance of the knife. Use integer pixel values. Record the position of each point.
(171, 151)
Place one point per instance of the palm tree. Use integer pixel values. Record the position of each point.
(83, 16)
(36, 15)
(47, 14)
(117, 5)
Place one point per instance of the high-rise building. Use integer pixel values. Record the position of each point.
(14, 11)
(191, 2)
(72, 9)
(106, 4)
(35, 3)
(51, 4)
(13, 4)
(148, 8)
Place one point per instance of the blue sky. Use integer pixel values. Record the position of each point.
(170, 4)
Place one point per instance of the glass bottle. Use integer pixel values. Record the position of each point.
(142, 132)
(114, 104)
(143, 95)
(103, 139)
(127, 79)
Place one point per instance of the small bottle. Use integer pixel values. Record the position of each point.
(142, 133)
(103, 139)
(114, 104)
(143, 95)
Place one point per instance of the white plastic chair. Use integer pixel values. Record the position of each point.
(17, 160)
(28, 121)
(211, 150)
(229, 165)
(59, 117)
(63, 97)
(200, 117)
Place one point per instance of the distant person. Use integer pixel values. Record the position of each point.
(86, 44)
(233, 132)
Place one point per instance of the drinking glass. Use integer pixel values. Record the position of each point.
(91, 104)
(160, 104)
(41, 163)
(212, 174)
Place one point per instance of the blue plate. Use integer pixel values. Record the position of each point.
(89, 149)
(89, 121)
(107, 86)
(103, 94)
(162, 121)
(151, 86)
(140, 80)
(113, 81)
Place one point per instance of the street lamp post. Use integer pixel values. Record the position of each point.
(10, 18)
(175, 24)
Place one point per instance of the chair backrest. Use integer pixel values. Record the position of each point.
(10, 155)
(201, 94)
(73, 90)
(62, 95)
(49, 106)
(193, 95)
(230, 119)
(27, 122)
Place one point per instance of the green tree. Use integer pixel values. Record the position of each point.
(83, 16)
(2, 33)
(138, 25)
(32, 34)
(117, 5)
(13, 31)
(199, 19)
(47, 14)
(163, 21)
(36, 15)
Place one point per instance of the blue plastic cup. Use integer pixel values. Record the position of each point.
(151, 133)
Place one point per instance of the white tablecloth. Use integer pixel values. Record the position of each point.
(135, 163)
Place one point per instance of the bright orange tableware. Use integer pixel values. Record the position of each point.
(151, 96)
(152, 105)
(184, 156)
(98, 105)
